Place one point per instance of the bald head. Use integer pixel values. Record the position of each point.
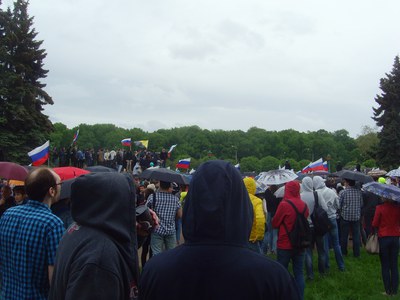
(39, 182)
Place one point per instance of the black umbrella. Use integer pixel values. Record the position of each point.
(164, 174)
(353, 175)
(100, 169)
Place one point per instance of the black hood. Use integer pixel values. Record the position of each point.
(106, 202)
(217, 206)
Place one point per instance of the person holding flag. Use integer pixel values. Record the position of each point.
(163, 157)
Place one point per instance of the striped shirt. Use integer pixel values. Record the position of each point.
(165, 208)
(29, 237)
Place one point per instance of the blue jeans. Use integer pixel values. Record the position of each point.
(159, 241)
(319, 242)
(388, 254)
(333, 234)
(271, 235)
(255, 246)
(344, 236)
(297, 258)
(178, 227)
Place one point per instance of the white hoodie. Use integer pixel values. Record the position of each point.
(326, 195)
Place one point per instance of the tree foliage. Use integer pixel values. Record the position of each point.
(23, 126)
(387, 116)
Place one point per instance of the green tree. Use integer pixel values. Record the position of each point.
(367, 143)
(23, 126)
(387, 116)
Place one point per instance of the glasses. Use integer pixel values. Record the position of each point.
(60, 183)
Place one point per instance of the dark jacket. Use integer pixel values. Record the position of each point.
(97, 256)
(215, 261)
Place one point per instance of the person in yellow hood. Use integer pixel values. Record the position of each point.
(258, 227)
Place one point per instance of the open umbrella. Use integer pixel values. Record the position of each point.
(394, 173)
(357, 176)
(69, 172)
(384, 190)
(99, 169)
(164, 174)
(377, 173)
(276, 177)
(10, 170)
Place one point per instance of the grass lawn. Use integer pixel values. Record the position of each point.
(361, 280)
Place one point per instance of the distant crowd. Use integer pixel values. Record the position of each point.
(119, 159)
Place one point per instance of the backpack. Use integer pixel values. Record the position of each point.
(320, 219)
(300, 237)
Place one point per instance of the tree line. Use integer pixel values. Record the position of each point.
(255, 149)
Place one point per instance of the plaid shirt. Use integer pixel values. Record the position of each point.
(166, 207)
(351, 202)
(29, 236)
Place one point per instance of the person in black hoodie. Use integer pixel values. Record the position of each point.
(215, 261)
(97, 256)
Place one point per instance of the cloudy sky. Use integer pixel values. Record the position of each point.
(225, 64)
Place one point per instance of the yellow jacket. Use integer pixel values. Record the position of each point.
(258, 228)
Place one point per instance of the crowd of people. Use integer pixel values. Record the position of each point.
(209, 240)
(120, 159)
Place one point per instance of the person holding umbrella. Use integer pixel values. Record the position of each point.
(387, 222)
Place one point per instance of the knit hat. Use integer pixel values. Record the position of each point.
(382, 180)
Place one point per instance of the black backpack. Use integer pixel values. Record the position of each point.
(300, 237)
(320, 219)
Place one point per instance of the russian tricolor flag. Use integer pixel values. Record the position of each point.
(318, 165)
(126, 142)
(76, 136)
(40, 154)
(183, 163)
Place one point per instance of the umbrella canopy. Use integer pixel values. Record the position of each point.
(99, 169)
(276, 177)
(66, 188)
(357, 176)
(384, 190)
(394, 173)
(164, 174)
(10, 170)
(377, 173)
(69, 172)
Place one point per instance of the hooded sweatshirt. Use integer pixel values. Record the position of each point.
(258, 228)
(307, 195)
(97, 256)
(327, 198)
(286, 215)
(215, 261)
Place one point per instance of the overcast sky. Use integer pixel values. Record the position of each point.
(218, 64)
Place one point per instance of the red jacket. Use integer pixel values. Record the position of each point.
(285, 214)
(387, 219)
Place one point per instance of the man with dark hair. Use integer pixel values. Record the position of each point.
(168, 208)
(29, 236)
(351, 201)
(215, 261)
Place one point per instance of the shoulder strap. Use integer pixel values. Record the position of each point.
(316, 198)
(154, 201)
(297, 212)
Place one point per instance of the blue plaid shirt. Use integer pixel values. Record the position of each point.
(166, 207)
(351, 201)
(29, 236)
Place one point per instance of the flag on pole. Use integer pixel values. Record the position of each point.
(318, 165)
(75, 136)
(142, 143)
(170, 149)
(40, 154)
(183, 163)
(126, 142)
